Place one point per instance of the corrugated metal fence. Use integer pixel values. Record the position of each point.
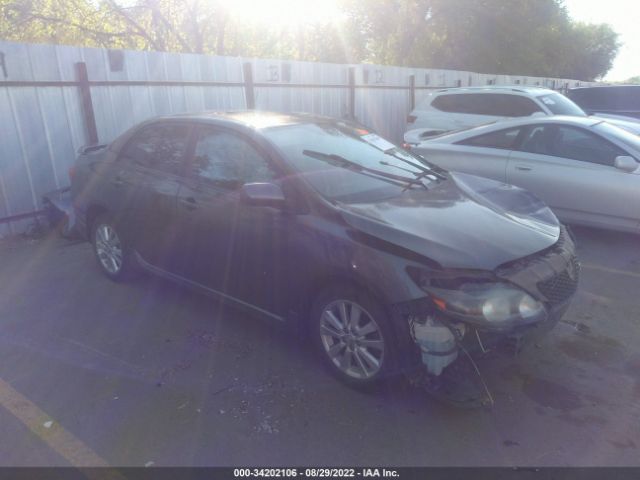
(47, 93)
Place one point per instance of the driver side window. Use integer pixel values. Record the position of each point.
(578, 144)
(228, 160)
(570, 142)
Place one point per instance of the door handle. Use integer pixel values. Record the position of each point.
(189, 203)
(119, 180)
(523, 168)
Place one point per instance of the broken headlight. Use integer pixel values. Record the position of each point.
(485, 303)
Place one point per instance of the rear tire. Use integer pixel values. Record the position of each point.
(114, 255)
(352, 335)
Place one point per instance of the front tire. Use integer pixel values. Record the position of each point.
(352, 336)
(114, 256)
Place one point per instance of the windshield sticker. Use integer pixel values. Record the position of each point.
(378, 142)
(548, 101)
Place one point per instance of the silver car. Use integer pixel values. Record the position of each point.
(586, 170)
(453, 109)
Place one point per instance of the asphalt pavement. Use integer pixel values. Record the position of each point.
(145, 373)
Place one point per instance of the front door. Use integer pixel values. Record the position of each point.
(229, 246)
(572, 170)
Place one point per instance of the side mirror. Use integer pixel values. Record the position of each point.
(263, 195)
(626, 163)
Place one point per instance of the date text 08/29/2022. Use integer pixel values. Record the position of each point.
(315, 472)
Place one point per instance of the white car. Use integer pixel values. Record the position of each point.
(454, 109)
(586, 170)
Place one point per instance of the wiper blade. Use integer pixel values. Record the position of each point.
(424, 170)
(340, 161)
(413, 172)
(418, 176)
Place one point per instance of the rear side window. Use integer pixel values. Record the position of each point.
(228, 160)
(470, 103)
(446, 103)
(513, 106)
(503, 139)
(160, 147)
(494, 104)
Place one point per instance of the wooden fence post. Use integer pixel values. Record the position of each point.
(87, 104)
(249, 93)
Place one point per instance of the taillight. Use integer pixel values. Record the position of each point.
(411, 118)
(72, 172)
(406, 146)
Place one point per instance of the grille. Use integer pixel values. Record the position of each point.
(560, 287)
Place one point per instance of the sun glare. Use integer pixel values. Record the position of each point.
(284, 13)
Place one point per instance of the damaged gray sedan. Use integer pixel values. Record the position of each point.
(390, 264)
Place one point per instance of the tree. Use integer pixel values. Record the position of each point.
(590, 51)
(524, 37)
(527, 37)
(71, 22)
(170, 25)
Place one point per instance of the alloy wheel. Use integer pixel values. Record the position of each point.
(109, 248)
(352, 339)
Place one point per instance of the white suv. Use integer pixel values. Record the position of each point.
(460, 108)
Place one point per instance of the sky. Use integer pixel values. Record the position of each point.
(624, 18)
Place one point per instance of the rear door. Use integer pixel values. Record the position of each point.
(148, 173)
(572, 170)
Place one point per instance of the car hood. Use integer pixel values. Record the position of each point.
(463, 222)
(629, 124)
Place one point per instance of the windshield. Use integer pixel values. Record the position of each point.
(316, 151)
(561, 105)
(620, 134)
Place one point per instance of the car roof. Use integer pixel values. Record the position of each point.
(607, 87)
(517, 89)
(254, 119)
(518, 122)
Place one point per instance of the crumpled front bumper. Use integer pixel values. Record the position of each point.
(551, 276)
(476, 341)
(479, 341)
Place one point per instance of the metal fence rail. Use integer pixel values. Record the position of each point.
(55, 99)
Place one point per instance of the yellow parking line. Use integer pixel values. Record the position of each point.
(63, 442)
(610, 270)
